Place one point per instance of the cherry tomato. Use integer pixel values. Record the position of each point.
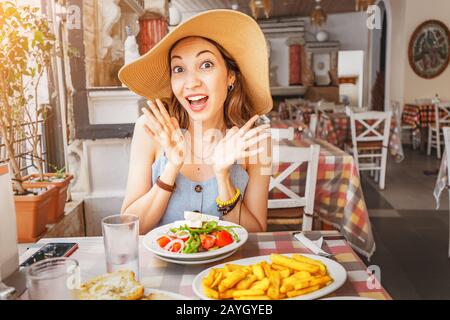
(163, 241)
(224, 238)
(176, 247)
(208, 241)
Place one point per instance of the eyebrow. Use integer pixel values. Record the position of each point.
(201, 52)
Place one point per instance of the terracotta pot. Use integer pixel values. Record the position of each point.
(56, 211)
(31, 214)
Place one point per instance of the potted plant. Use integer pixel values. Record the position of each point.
(26, 45)
(60, 180)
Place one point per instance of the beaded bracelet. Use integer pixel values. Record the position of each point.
(224, 207)
(225, 210)
(232, 200)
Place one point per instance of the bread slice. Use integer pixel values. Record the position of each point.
(117, 285)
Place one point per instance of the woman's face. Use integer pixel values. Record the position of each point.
(199, 78)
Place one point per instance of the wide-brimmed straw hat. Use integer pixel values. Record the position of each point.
(236, 32)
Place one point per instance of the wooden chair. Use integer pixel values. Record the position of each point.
(446, 131)
(295, 156)
(371, 144)
(442, 119)
(282, 133)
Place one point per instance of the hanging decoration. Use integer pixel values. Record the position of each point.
(256, 5)
(318, 16)
(362, 5)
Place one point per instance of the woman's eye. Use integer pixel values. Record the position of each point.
(206, 65)
(177, 69)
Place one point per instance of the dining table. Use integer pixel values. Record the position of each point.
(419, 116)
(339, 199)
(179, 278)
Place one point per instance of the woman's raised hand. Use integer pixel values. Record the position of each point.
(166, 131)
(239, 144)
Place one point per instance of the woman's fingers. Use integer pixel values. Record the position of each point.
(177, 133)
(164, 114)
(151, 121)
(157, 114)
(248, 125)
(251, 153)
(251, 142)
(255, 131)
(149, 131)
(232, 132)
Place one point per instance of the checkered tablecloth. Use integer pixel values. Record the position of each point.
(418, 115)
(339, 199)
(158, 274)
(335, 128)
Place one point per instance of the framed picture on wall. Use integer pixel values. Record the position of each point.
(429, 49)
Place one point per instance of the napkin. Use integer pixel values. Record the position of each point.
(314, 246)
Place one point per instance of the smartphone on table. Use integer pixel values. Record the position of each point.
(51, 250)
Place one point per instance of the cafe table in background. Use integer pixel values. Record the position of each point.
(176, 278)
(339, 199)
(419, 116)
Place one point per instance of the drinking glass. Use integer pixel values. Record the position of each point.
(121, 239)
(53, 279)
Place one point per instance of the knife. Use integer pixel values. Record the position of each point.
(311, 245)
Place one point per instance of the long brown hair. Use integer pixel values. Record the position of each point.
(237, 109)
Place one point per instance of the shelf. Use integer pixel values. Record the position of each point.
(288, 91)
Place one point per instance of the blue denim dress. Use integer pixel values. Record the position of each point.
(195, 196)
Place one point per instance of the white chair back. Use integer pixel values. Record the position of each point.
(376, 128)
(9, 260)
(296, 156)
(282, 133)
(313, 121)
(442, 112)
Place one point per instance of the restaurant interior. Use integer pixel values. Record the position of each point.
(361, 102)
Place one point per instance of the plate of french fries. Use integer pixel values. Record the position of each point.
(273, 277)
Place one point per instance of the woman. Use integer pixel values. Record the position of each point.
(203, 152)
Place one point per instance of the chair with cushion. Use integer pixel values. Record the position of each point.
(295, 209)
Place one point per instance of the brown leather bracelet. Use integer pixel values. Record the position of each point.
(165, 186)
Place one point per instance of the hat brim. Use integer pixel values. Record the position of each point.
(236, 32)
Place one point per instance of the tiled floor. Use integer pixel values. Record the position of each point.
(410, 235)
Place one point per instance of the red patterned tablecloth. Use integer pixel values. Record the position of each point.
(418, 115)
(158, 274)
(339, 199)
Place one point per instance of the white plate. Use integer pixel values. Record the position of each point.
(150, 243)
(335, 270)
(193, 262)
(165, 295)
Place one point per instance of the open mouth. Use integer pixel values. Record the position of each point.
(198, 102)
